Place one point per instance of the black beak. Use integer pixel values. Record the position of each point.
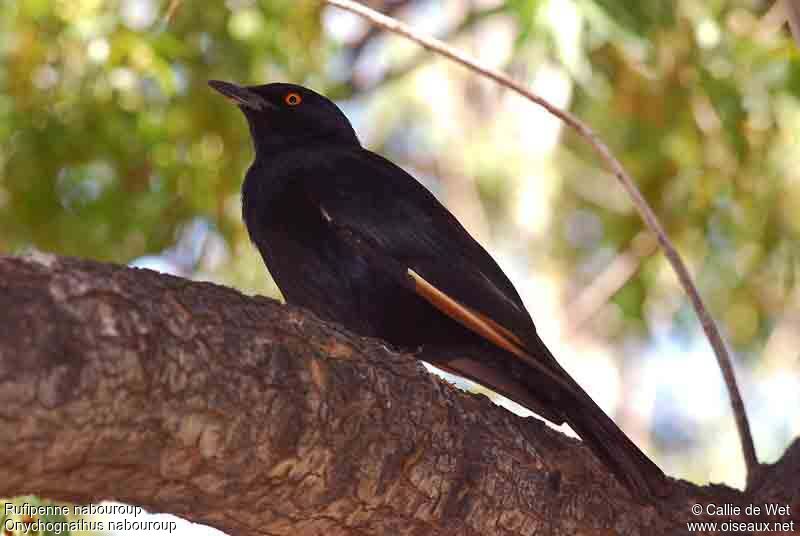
(241, 95)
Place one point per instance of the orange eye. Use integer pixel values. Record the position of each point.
(293, 99)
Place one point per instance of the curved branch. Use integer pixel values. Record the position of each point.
(254, 417)
(706, 320)
(423, 56)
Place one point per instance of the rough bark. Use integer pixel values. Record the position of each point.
(258, 418)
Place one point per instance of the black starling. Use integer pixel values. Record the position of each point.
(357, 240)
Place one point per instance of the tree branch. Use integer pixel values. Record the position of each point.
(253, 417)
(706, 320)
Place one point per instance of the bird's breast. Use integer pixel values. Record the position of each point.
(310, 264)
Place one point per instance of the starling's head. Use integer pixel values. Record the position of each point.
(287, 116)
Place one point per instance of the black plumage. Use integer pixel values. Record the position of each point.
(357, 240)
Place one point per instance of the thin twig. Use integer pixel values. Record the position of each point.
(170, 12)
(781, 12)
(647, 214)
(792, 8)
(422, 57)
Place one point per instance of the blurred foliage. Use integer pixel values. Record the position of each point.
(702, 107)
(111, 143)
(113, 147)
(110, 138)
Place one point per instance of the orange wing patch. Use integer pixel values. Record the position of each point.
(472, 320)
(482, 325)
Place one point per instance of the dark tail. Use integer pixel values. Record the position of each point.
(536, 380)
(630, 466)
